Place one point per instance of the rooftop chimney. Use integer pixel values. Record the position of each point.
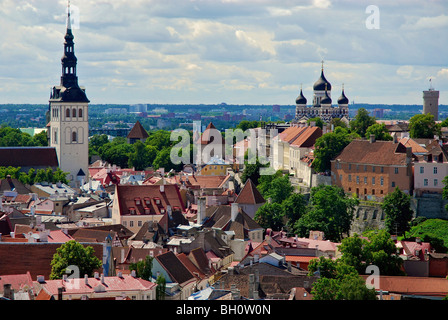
(40, 279)
(372, 138)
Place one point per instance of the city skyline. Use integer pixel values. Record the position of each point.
(238, 52)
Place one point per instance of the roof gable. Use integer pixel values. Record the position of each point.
(250, 194)
(138, 132)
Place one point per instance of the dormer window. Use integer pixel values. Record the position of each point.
(157, 200)
(147, 200)
(137, 201)
(147, 210)
(132, 210)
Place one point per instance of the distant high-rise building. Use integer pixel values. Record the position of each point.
(68, 116)
(431, 102)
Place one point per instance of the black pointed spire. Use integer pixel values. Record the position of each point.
(69, 60)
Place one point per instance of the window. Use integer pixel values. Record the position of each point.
(357, 167)
(382, 181)
(349, 166)
(382, 169)
(436, 182)
(396, 170)
(435, 170)
(139, 223)
(373, 180)
(357, 179)
(393, 184)
(422, 169)
(365, 168)
(365, 180)
(67, 113)
(373, 169)
(80, 113)
(74, 138)
(340, 177)
(436, 158)
(74, 113)
(131, 223)
(349, 178)
(425, 182)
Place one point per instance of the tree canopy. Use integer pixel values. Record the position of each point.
(72, 253)
(398, 212)
(362, 122)
(380, 132)
(423, 126)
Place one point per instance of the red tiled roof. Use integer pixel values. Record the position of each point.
(423, 286)
(379, 153)
(307, 137)
(175, 268)
(199, 181)
(291, 133)
(190, 266)
(149, 196)
(138, 132)
(17, 281)
(111, 284)
(250, 194)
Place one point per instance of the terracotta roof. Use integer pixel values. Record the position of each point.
(199, 181)
(138, 132)
(250, 194)
(405, 285)
(37, 157)
(139, 197)
(416, 147)
(111, 284)
(307, 137)
(291, 133)
(379, 153)
(199, 257)
(17, 281)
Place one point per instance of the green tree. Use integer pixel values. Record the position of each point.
(380, 132)
(143, 268)
(318, 122)
(40, 139)
(328, 146)
(161, 286)
(398, 212)
(337, 122)
(361, 122)
(423, 126)
(337, 281)
(74, 253)
(252, 171)
(294, 207)
(276, 186)
(330, 211)
(142, 157)
(270, 215)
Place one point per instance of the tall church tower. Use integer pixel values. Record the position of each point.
(69, 116)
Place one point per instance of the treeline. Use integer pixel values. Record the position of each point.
(10, 137)
(34, 176)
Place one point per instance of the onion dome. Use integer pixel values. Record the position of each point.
(326, 99)
(342, 99)
(320, 84)
(301, 99)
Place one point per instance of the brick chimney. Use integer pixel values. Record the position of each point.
(234, 211)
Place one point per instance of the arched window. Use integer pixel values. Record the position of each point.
(67, 113)
(74, 113)
(74, 137)
(80, 113)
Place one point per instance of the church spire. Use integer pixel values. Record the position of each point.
(69, 61)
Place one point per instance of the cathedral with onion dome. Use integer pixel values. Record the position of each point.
(322, 105)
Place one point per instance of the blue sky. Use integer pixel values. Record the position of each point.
(234, 51)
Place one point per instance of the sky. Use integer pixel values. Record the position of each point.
(234, 51)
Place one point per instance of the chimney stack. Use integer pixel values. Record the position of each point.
(372, 138)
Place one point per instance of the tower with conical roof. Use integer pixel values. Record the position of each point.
(68, 115)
